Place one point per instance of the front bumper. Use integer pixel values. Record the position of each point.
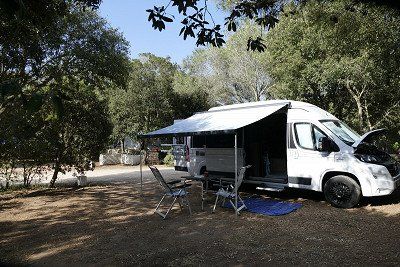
(385, 186)
(381, 181)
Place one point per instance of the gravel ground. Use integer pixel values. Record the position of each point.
(109, 223)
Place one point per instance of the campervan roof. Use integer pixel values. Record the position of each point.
(262, 103)
(303, 109)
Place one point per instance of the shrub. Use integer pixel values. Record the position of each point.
(169, 160)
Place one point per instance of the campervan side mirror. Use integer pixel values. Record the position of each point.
(325, 144)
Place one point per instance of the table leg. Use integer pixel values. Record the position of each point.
(202, 197)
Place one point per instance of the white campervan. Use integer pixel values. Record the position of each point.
(301, 146)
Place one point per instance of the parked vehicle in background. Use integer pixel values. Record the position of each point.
(180, 151)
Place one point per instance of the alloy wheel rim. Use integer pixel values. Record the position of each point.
(340, 193)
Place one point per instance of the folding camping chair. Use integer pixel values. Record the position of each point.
(173, 190)
(229, 192)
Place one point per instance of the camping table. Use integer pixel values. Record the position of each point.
(204, 185)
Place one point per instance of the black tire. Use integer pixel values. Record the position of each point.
(342, 192)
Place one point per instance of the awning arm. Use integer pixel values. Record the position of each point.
(141, 171)
(236, 176)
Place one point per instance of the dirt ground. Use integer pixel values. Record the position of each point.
(109, 223)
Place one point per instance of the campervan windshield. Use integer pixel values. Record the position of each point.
(341, 130)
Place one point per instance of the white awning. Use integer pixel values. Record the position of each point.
(218, 121)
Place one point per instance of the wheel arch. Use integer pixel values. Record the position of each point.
(199, 167)
(331, 174)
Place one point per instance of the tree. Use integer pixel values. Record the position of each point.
(79, 45)
(190, 95)
(146, 105)
(58, 73)
(17, 144)
(80, 133)
(232, 74)
(34, 139)
(22, 143)
(154, 97)
(32, 39)
(329, 53)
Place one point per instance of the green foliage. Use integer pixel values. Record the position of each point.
(189, 95)
(231, 74)
(145, 105)
(150, 101)
(32, 139)
(341, 56)
(197, 20)
(82, 132)
(169, 160)
(56, 62)
(22, 136)
(78, 45)
(396, 146)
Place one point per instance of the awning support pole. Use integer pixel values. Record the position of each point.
(141, 172)
(236, 177)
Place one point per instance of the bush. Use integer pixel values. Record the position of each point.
(169, 160)
(396, 147)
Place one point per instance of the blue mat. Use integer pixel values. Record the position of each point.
(268, 206)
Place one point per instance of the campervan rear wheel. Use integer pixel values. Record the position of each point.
(342, 192)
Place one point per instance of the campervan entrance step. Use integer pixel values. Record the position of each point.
(278, 179)
(272, 187)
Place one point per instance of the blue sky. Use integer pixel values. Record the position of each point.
(130, 17)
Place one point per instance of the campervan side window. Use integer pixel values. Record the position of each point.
(198, 141)
(303, 135)
(216, 141)
(307, 135)
(220, 141)
(179, 140)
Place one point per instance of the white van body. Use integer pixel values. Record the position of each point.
(305, 167)
(197, 161)
(180, 151)
(218, 159)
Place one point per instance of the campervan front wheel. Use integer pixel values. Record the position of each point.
(342, 191)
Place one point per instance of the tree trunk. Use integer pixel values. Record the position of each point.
(55, 174)
(25, 175)
(122, 145)
(360, 113)
(367, 117)
(357, 97)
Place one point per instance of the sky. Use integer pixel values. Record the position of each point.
(130, 17)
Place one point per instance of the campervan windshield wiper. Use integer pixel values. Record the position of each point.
(341, 130)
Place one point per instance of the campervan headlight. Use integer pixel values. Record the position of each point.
(368, 158)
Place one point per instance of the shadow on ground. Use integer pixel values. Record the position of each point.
(112, 224)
